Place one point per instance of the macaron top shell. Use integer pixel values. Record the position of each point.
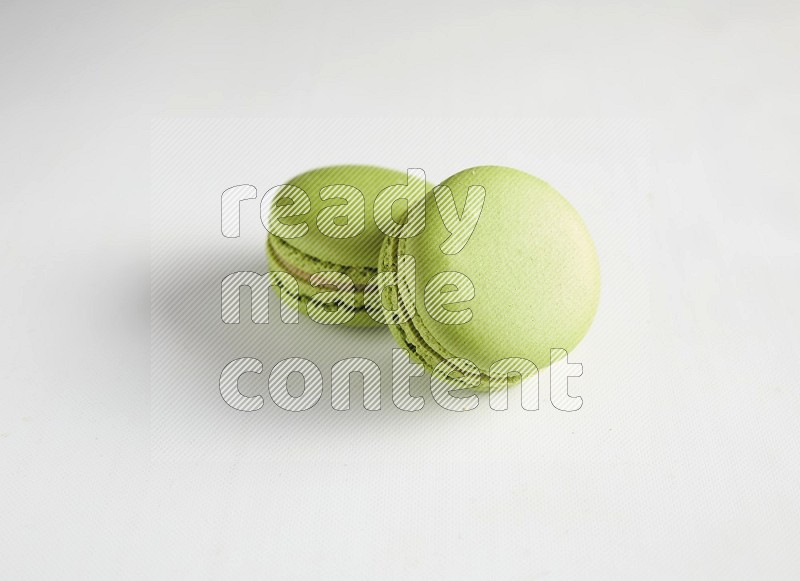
(531, 260)
(361, 250)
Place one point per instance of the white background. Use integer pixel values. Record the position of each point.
(698, 478)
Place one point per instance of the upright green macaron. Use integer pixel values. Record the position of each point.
(323, 221)
(528, 282)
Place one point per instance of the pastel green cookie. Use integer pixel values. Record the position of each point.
(531, 261)
(339, 236)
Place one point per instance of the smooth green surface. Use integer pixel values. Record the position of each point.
(361, 250)
(533, 265)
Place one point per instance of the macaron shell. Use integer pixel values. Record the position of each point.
(361, 250)
(531, 260)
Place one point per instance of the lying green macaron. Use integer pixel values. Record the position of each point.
(528, 282)
(323, 221)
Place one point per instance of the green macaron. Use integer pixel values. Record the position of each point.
(322, 231)
(523, 278)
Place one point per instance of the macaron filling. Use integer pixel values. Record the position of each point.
(302, 266)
